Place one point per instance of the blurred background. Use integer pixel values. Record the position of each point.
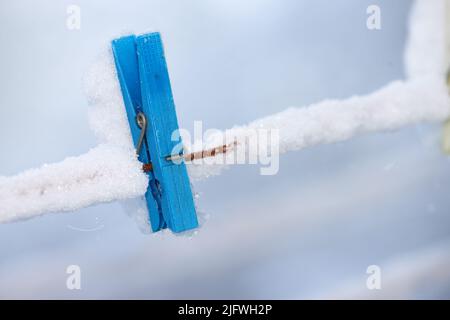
(311, 231)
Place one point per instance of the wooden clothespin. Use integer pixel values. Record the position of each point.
(144, 81)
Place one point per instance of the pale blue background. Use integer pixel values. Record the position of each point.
(308, 232)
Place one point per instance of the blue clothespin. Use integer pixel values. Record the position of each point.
(144, 81)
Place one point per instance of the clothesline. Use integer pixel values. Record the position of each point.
(111, 171)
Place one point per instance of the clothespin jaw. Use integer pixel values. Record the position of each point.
(147, 95)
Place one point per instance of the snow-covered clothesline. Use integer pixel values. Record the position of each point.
(111, 171)
(423, 99)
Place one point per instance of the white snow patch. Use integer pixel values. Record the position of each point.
(111, 170)
(425, 51)
(398, 104)
(423, 97)
(107, 172)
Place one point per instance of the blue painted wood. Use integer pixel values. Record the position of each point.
(145, 85)
(125, 57)
(176, 195)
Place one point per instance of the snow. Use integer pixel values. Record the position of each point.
(422, 97)
(111, 170)
(107, 172)
(426, 46)
(398, 104)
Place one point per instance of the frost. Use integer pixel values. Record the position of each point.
(111, 171)
(107, 172)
